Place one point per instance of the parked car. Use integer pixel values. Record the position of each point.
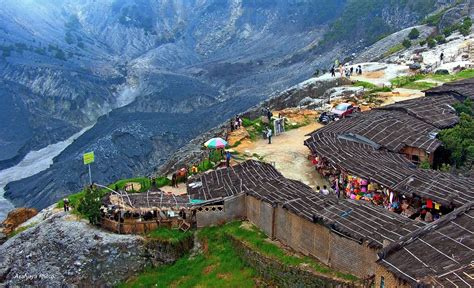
(344, 109)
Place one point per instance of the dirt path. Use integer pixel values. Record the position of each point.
(176, 191)
(400, 94)
(288, 154)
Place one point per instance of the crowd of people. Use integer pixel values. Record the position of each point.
(344, 185)
(235, 123)
(345, 70)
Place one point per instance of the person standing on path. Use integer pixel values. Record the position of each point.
(441, 57)
(333, 71)
(66, 204)
(228, 156)
(174, 180)
(269, 115)
(325, 191)
(269, 135)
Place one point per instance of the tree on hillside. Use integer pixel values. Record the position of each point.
(406, 43)
(414, 33)
(90, 205)
(459, 140)
(466, 25)
(431, 42)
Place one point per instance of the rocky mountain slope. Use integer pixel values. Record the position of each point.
(68, 252)
(168, 70)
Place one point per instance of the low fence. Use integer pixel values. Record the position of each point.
(138, 227)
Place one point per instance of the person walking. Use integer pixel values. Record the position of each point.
(325, 191)
(441, 57)
(269, 115)
(360, 69)
(228, 156)
(232, 126)
(333, 71)
(66, 204)
(341, 70)
(269, 135)
(174, 180)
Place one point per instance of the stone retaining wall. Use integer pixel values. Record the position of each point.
(166, 252)
(283, 275)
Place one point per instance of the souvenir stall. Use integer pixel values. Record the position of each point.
(347, 185)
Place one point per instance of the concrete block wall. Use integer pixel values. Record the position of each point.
(260, 214)
(234, 208)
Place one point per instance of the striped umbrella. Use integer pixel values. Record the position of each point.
(216, 143)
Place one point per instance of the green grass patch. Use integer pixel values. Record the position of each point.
(259, 241)
(402, 81)
(394, 49)
(366, 85)
(143, 181)
(21, 229)
(254, 127)
(421, 85)
(371, 88)
(465, 74)
(219, 265)
(74, 200)
(169, 235)
(409, 81)
(236, 144)
(306, 121)
(381, 89)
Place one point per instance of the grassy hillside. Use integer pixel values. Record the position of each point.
(367, 19)
(218, 265)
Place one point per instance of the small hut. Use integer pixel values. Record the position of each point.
(138, 213)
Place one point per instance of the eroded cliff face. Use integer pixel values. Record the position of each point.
(153, 74)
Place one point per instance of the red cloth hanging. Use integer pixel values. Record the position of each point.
(429, 203)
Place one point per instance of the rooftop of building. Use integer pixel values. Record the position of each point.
(461, 89)
(391, 170)
(435, 110)
(356, 220)
(391, 129)
(440, 254)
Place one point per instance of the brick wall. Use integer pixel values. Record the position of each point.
(351, 257)
(390, 280)
(312, 239)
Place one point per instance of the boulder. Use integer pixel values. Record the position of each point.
(414, 66)
(442, 72)
(16, 217)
